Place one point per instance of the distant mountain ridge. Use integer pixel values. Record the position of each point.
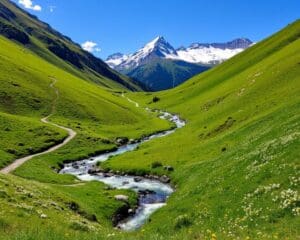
(198, 56)
(159, 47)
(236, 43)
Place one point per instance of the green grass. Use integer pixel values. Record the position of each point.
(236, 162)
(58, 49)
(241, 139)
(70, 210)
(15, 146)
(98, 116)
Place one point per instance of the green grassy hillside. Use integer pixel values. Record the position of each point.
(236, 163)
(97, 114)
(236, 167)
(60, 50)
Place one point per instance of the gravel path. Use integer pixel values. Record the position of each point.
(18, 162)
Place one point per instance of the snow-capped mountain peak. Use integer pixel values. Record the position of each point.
(203, 53)
(157, 48)
(211, 53)
(160, 46)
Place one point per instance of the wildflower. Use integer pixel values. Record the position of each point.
(213, 237)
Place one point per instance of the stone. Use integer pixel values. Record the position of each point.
(122, 140)
(130, 211)
(137, 179)
(121, 197)
(108, 174)
(93, 171)
(43, 216)
(164, 179)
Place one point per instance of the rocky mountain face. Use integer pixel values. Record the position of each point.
(152, 60)
(157, 48)
(202, 53)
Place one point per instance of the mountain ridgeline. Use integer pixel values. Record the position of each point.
(159, 66)
(60, 50)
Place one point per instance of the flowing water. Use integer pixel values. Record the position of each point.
(152, 193)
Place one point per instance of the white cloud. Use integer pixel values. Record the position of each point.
(90, 46)
(29, 5)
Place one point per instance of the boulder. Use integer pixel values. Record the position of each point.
(164, 179)
(93, 171)
(145, 192)
(130, 211)
(137, 179)
(121, 197)
(108, 174)
(121, 140)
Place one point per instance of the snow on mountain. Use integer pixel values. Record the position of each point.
(116, 59)
(205, 55)
(211, 53)
(234, 44)
(202, 53)
(157, 48)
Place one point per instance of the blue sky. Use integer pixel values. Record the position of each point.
(126, 25)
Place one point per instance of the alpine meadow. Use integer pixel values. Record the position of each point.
(198, 142)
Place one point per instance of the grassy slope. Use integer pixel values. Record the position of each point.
(67, 55)
(228, 193)
(97, 115)
(71, 211)
(237, 160)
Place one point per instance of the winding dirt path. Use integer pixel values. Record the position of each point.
(18, 162)
(129, 100)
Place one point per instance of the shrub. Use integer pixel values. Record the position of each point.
(156, 164)
(73, 206)
(155, 99)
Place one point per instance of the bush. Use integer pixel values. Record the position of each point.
(73, 206)
(155, 99)
(156, 164)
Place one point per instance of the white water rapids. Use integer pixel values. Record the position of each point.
(152, 193)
